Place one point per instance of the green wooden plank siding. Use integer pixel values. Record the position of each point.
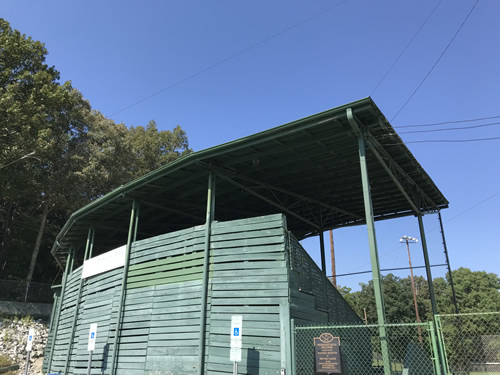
(257, 270)
(313, 298)
(249, 279)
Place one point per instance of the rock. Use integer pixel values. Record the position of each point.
(13, 338)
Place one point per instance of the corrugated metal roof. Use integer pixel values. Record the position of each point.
(309, 167)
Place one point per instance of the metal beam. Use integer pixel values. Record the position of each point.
(427, 264)
(261, 197)
(448, 263)
(132, 233)
(206, 265)
(322, 248)
(223, 171)
(395, 180)
(171, 210)
(372, 240)
(373, 143)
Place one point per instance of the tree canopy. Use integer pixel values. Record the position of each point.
(476, 291)
(57, 154)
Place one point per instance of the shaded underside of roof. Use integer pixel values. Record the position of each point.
(309, 169)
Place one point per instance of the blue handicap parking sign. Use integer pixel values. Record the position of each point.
(236, 332)
(92, 335)
(30, 338)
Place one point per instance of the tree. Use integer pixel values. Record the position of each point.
(56, 154)
(477, 291)
(152, 148)
(42, 122)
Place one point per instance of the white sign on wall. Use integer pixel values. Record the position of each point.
(31, 336)
(236, 338)
(105, 262)
(92, 337)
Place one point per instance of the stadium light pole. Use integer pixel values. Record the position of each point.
(409, 240)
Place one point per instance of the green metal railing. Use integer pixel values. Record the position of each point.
(471, 342)
(412, 349)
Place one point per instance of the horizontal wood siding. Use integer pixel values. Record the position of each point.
(159, 333)
(65, 321)
(249, 279)
(313, 298)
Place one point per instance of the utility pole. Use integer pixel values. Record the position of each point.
(409, 240)
(332, 252)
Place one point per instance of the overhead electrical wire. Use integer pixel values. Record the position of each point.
(386, 270)
(446, 122)
(405, 48)
(455, 140)
(224, 60)
(437, 61)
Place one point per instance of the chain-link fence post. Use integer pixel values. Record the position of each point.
(441, 345)
(437, 364)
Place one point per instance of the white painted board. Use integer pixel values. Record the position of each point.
(104, 262)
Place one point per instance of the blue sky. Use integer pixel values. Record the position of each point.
(233, 68)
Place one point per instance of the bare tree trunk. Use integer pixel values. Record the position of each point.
(38, 242)
(6, 234)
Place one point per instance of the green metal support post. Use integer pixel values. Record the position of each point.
(56, 321)
(206, 266)
(431, 286)
(322, 247)
(372, 241)
(77, 305)
(91, 243)
(435, 355)
(448, 263)
(427, 264)
(132, 233)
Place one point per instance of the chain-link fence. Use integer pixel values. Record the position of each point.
(471, 342)
(20, 291)
(404, 349)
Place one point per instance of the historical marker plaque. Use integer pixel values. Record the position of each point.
(327, 359)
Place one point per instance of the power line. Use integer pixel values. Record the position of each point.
(210, 67)
(447, 122)
(404, 49)
(443, 141)
(387, 269)
(449, 129)
(471, 208)
(430, 230)
(437, 61)
(455, 140)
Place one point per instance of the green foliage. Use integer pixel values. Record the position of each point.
(27, 319)
(57, 154)
(477, 291)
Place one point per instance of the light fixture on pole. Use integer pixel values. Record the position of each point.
(409, 240)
